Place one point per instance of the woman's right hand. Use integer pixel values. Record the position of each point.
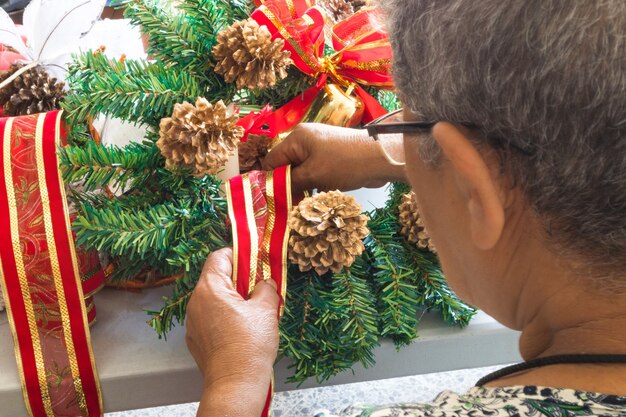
(332, 158)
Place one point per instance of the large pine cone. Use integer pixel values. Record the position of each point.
(327, 232)
(33, 91)
(247, 56)
(202, 137)
(338, 9)
(412, 226)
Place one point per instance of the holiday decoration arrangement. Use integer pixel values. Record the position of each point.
(224, 81)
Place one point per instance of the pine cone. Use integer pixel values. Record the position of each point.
(338, 9)
(252, 152)
(412, 225)
(327, 232)
(359, 4)
(34, 91)
(203, 136)
(247, 55)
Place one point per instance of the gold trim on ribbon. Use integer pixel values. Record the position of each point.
(82, 296)
(55, 265)
(5, 293)
(351, 47)
(269, 226)
(292, 8)
(233, 220)
(283, 287)
(254, 233)
(16, 348)
(377, 65)
(21, 272)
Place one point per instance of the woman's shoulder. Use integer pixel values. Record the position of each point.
(515, 401)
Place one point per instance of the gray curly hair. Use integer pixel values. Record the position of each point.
(544, 82)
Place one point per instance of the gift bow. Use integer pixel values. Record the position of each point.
(362, 54)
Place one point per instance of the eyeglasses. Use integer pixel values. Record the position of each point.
(388, 131)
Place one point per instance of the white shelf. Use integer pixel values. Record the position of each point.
(137, 370)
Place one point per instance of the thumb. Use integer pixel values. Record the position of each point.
(219, 262)
(265, 292)
(218, 269)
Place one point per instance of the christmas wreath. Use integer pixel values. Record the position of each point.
(227, 79)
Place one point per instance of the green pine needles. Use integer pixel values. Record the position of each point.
(155, 223)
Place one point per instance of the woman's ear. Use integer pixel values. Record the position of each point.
(478, 186)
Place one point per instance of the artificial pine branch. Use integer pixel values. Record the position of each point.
(175, 306)
(99, 200)
(337, 309)
(174, 310)
(77, 133)
(428, 280)
(285, 90)
(396, 191)
(188, 212)
(433, 290)
(97, 166)
(300, 331)
(173, 40)
(189, 253)
(353, 297)
(389, 100)
(209, 17)
(397, 298)
(131, 90)
(132, 234)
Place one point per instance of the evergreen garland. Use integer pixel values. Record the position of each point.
(148, 220)
(131, 90)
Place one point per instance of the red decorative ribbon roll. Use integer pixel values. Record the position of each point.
(258, 206)
(41, 280)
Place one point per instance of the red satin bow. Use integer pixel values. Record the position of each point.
(362, 53)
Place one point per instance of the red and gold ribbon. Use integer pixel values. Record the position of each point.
(258, 206)
(41, 281)
(362, 54)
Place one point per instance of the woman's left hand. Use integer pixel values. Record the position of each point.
(234, 341)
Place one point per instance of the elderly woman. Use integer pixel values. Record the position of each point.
(514, 140)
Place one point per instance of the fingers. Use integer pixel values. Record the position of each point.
(265, 292)
(301, 180)
(289, 152)
(277, 157)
